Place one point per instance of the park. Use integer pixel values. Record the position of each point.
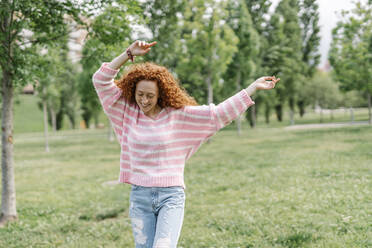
(295, 170)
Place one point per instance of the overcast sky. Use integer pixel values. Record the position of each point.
(328, 13)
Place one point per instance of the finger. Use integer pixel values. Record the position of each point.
(151, 44)
(268, 78)
(147, 50)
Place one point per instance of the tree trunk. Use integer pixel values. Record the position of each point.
(291, 111)
(45, 125)
(210, 89)
(86, 117)
(54, 122)
(8, 196)
(369, 108)
(291, 116)
(59, 119)
(71, 117)
(321, 115)
(267, 113)
(279, 112)
(210, 94)
(351, 115)
(252, 116)
(301, 107)
(96, 121)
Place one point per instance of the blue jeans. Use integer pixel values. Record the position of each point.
(157, 215)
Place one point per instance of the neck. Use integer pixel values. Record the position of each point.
(154, 111)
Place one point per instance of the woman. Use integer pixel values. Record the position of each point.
(159, 126)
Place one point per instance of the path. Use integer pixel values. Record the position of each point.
(326, 125)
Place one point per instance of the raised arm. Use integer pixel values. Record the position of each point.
(138, 48)
(110, 96)
(216, 117)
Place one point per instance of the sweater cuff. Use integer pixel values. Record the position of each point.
(106, 69)
(246, 98)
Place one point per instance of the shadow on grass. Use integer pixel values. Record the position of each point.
(295, 240)
(107, 214)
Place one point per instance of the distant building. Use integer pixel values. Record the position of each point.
(28, 89)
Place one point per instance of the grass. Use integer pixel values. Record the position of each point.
(266, 188)
(28, 117)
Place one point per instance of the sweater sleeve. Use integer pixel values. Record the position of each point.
(110, 96)
(228, 110)
(212, 118)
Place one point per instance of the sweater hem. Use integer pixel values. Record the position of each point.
(151, 181)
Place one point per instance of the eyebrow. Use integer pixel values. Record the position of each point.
(140, 91)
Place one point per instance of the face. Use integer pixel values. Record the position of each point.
(147, 94)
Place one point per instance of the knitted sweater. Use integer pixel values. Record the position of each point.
(154, 150)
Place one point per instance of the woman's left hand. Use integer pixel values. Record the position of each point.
(265, 83)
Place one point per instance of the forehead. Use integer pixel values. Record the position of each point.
(147, 86)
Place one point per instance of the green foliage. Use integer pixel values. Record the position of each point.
(242, 68)
(29, 23)
(109, 36)
(165, 20)
(309, 21)
(208, 45)
(284, 55)
(259, 10)
(56, 83)
(351, 49)
(322, 91)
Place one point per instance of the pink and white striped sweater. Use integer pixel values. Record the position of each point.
(154, 151)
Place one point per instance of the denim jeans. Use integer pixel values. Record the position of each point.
(157, 215)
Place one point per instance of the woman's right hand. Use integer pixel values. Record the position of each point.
(139, 48)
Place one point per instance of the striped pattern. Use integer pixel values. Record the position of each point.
(154, 151)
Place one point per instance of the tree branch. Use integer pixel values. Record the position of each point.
(11, 21)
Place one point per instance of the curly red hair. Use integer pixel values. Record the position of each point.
(171, 94)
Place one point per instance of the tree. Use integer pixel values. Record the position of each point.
(165, 20)
(208, 45)
(284, 55)
(309, 21)
(109, 35)
(323, 92)
(45, 89)
(259, 11)
(24, 24)
(351, 51)
(242, 68)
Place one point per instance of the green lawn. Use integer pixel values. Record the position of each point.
(267, 188)
(28, 117)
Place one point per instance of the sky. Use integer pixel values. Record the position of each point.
(329, 10)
